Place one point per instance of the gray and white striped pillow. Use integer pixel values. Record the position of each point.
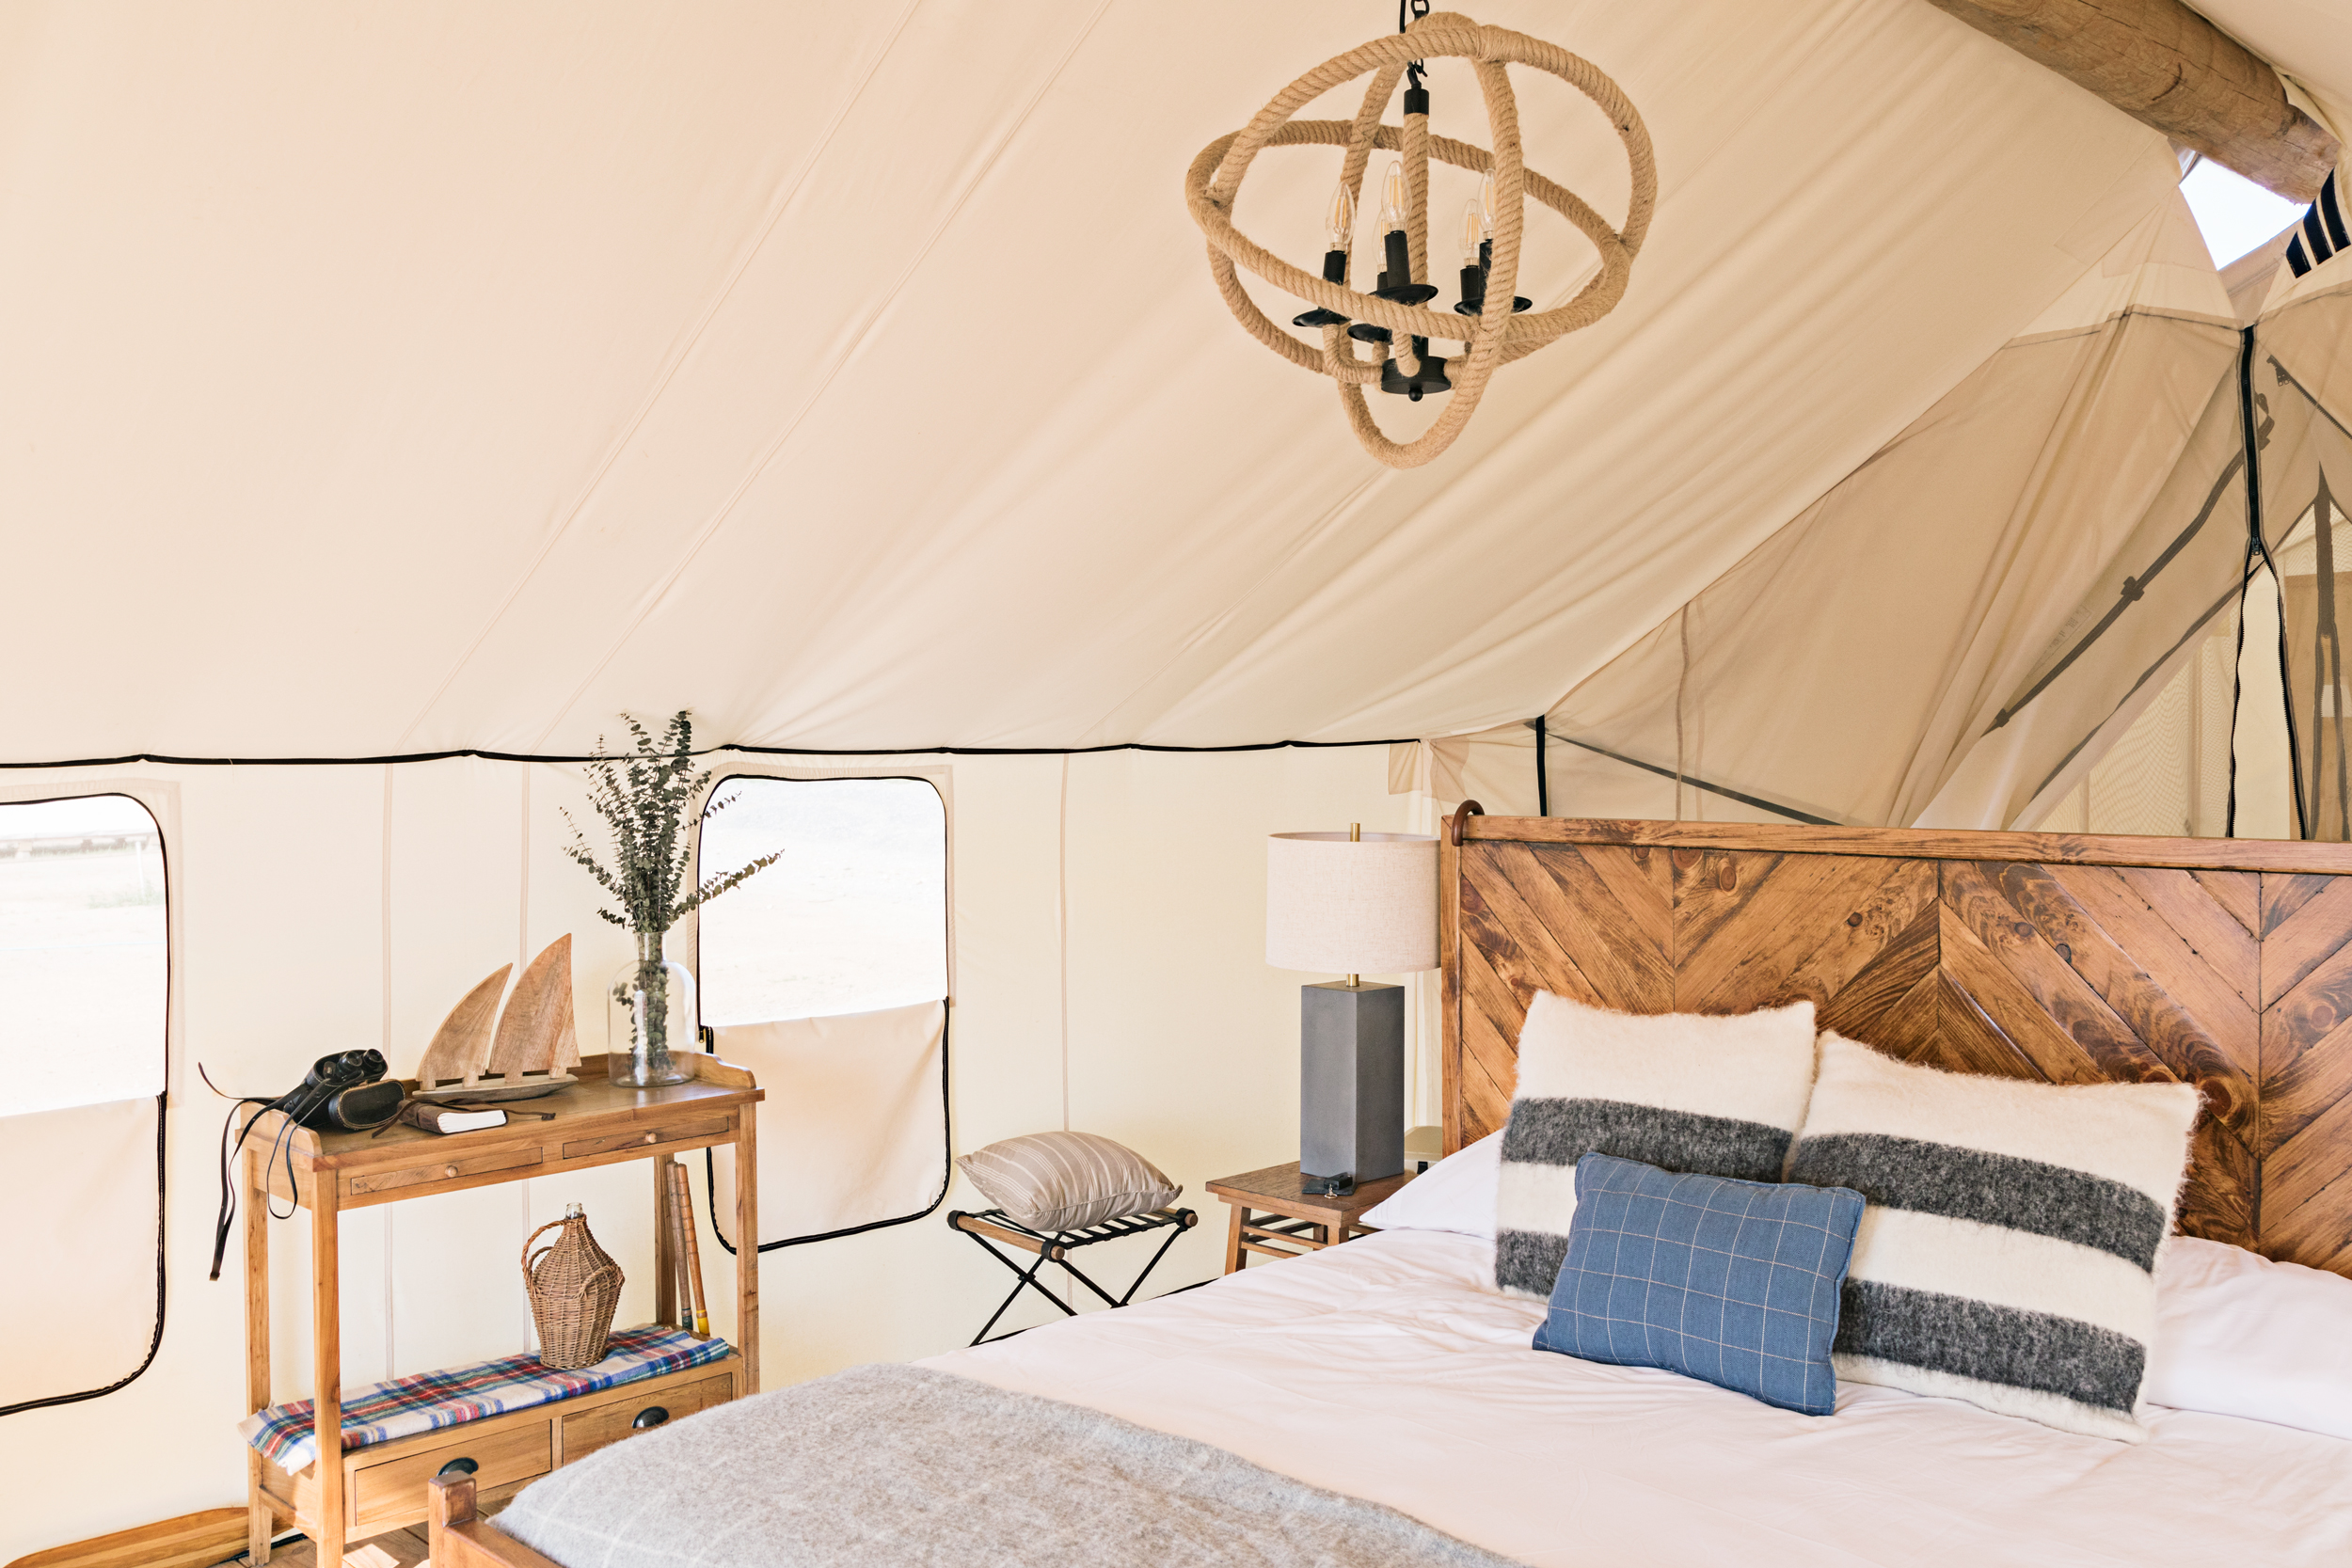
(2008, 1256)
(1067, 1180)
(1682, 1091)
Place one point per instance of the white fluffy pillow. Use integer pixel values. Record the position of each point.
(1456, 1193)
(1720, 1096)
(2008, 1256)
(2238, 1334)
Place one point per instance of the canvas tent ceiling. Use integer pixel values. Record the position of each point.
(442, 377)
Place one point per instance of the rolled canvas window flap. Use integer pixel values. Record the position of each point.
(95, 1324)
(853, 1132)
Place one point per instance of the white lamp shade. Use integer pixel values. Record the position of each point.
(1338, 906)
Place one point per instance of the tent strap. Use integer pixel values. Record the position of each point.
(1725, 790)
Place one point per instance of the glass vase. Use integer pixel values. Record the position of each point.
(651, 1017)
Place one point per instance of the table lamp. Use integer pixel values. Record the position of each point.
(1350, 903)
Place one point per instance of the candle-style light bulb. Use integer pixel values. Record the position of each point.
(1392, 196)
(1339, 224)
(1339, 228)
(1473, 259)
(1478, 252)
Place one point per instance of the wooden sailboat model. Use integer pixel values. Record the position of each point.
(534, 1049)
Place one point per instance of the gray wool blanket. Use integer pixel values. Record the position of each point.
(892, 1466)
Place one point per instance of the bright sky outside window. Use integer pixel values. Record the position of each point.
(852, 919)
(2232, 212)
(83, 954)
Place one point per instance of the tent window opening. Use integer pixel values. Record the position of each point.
(84, 986)
(2234, 214)
(826, 974)
(852, 919)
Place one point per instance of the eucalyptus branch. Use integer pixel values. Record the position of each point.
(644, 796)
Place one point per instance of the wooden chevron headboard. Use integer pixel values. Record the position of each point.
(2062, 957)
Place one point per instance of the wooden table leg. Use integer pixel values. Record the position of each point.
(747, 1246)
(261, 1522)
(1235, 1257)
(326, 1327)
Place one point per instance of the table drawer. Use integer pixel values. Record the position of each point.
(591, 1430)
(391, 1494)
(670, 1132)
(442, 1170)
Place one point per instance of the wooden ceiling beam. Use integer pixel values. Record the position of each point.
(2167, 67)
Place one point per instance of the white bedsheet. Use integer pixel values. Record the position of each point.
(1381, 1370)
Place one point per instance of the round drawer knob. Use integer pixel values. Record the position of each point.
(449, 1170)
(652, 1415)
(653, 1137)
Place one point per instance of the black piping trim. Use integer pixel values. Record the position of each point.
(2252, 438)
(1759, 802)
(2237, 692)
(2321, 249)
(2298, 262)
(166, 759)
(156, 1341)
(2332, 214)
(1543, 771)
(947, 1175)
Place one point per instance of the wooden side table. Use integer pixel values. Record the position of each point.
(1273, 1216)
(343, 1497)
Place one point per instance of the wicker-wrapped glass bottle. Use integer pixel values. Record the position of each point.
(574, 1287)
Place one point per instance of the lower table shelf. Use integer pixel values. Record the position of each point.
(384, 1483)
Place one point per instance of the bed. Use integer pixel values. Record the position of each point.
(1388, 1370)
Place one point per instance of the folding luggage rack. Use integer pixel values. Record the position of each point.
(991, 1227)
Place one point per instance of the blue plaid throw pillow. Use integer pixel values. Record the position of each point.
(1732, 1282)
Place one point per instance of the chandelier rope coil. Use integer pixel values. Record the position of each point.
(1495, 336)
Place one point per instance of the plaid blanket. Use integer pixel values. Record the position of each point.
(408, 1405)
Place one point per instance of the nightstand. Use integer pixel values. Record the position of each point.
(1271, 1215)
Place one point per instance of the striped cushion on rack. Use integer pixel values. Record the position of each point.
(1684, 1092)
(1057, 1181)
(2008, 1256)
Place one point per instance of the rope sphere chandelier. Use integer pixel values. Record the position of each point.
(1493, 325)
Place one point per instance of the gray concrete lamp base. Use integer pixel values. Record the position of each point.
(1351, 1084)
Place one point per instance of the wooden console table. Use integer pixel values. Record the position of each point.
(382, 1487)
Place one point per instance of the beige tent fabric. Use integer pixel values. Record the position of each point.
(1848, 669)
(853, 1132)
(440, 375)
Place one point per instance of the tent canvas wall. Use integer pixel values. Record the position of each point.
(398, 394)
(320, 909)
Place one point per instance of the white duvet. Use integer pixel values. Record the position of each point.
(1383, 1369)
